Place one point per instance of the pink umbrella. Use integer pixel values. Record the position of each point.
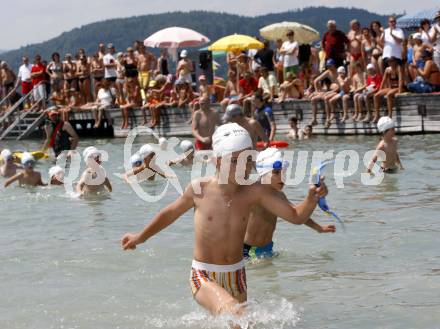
(175, 37)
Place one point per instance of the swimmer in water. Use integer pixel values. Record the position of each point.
(9, 168)
(187, 158)
(56, 176)
(221, 208)
(28, 176)
(136, 162)
(262, 223)
(388, 145)
(148, 168)
(94, 179)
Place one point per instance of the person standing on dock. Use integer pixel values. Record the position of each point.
(203, 124)
(24, 77)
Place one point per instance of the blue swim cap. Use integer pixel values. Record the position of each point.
(330, 62)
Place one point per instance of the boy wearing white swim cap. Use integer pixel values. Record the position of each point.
(56, 175)
(8, 168)
(94, 179)
(28, 176)
(221, 211)
(388, 145)
(148, 169)
(187, 158)
(262, 223)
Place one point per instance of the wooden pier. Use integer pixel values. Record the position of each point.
(413, 114)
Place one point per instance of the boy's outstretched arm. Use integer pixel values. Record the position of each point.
(13, 179)
(163, 219)
(319, 228)
(398, 161)
(281, 207)
(375, 157)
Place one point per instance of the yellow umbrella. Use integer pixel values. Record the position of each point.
(236, 42)
(303, 33)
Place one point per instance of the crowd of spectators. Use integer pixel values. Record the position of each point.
(363, 68)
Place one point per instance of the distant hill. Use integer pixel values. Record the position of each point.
(122, 32)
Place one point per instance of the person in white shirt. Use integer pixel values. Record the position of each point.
(267, 84)
(109, 61)
(24, 77)
(289, 50)
(434, 35)
(392, 39)
(105, 100)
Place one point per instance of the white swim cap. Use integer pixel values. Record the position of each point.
(384, 124)
(163, 143)
(371, 66)
(417, 36)
(6, 155)
(269, 159)
(55, 170)
(229, 138)
(90, 151)
(341, 69)
(185, 145)
(135, 159)
(27, 157)
(146, 150)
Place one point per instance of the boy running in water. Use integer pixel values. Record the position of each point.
(388, 145)
(262, 223)
(8, 168)
(28, 176)
(221, 210)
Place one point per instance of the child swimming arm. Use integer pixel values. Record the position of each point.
(163, 219)
(375, 157)
(13, 179)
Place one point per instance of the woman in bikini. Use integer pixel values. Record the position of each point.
(430, 76)
(83, 75)
(55, 71)
(368, 45)
(97, 68)
(392, 85)
(133, 99)
(69, 71)
(376, 30)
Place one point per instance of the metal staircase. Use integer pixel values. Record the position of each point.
(21, 123)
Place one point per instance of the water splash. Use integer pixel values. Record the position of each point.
(270, 313)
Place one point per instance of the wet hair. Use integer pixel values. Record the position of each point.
(373, 33)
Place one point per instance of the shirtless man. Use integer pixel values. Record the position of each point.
(358, 85)
(133, 100)
(262, 223)
(388, 145)
(204, 122)
(235, 114)
(231, 92)
(28, 176)
(7, 79)
(91, 181)
(355, 48)
(8, 168)
(101, 51)
(146, 66)
(292, 88)
(221, 214)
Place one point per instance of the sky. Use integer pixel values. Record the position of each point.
(31, 21)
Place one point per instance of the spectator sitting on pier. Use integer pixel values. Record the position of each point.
(231, 93)
(358, 86)
(428, 79)
(392, 84)
(184, 93)
(374, 81)
(344, 94)
(155, 100)
(267, 84)
(331, 75)
(132, 100)
(291, 89)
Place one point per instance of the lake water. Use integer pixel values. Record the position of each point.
(62, 266)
